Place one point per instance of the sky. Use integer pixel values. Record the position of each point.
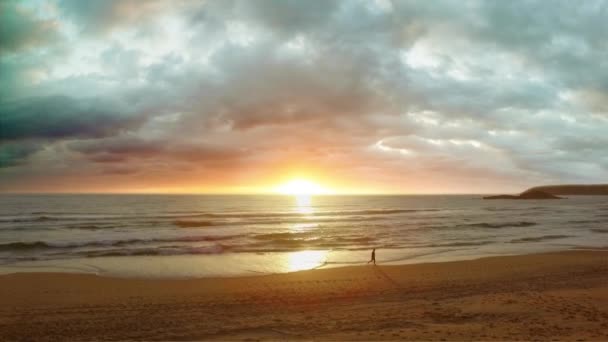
(355, 96)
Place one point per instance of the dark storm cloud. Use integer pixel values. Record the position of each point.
(60, 117)
(26, 124)
(510, 91)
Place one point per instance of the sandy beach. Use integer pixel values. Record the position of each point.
(560, 296)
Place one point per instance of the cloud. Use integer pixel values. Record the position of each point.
(121, 149)
(121, 145)
(473, 93)
(16, 154)
(102, 16)
(20, 29)
(59, 117)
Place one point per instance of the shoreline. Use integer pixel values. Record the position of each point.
(193, 267)
(560, 295)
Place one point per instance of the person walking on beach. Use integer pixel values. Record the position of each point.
(373, 257)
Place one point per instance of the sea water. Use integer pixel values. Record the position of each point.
(175, 236)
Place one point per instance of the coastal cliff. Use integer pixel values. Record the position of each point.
(552, 191)
(526, 195)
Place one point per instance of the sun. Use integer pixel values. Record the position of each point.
(301, 187)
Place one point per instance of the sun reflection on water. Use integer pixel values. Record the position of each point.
(305, 260)
(304, 204)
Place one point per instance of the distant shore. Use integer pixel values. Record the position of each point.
(540, 296)
(552, 192)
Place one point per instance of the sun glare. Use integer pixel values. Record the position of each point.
(301, 187)
(305, 260)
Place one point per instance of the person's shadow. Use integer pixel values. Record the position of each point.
(380, 273)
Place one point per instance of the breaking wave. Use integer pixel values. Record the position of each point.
(17, 246)
(48, 216)
(540, 238)
(215, 249)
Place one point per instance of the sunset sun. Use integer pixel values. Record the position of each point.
(301, 187)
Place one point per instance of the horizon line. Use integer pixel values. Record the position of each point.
(241, 194)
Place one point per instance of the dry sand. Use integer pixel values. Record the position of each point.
(560, 296)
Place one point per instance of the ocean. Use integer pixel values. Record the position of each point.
(180, 236)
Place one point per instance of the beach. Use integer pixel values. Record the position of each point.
(559, 295)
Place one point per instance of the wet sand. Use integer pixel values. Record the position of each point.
(560, 296)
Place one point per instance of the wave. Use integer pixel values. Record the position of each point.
(208, 250)
(193, 224)
(23, 245)
(540, 238)
(500, 209)
(92, 226)
(360, 239)
(460, 244)
(599, 230)
(215, 249)
(286, 242)
(502, 224)
(47, 218)
(16, 246)
(585, 221)
(318, 213)
(61, 216)
(42, 218)
(276, 236)
(311, 236)
(197, 220)
(273, 221)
